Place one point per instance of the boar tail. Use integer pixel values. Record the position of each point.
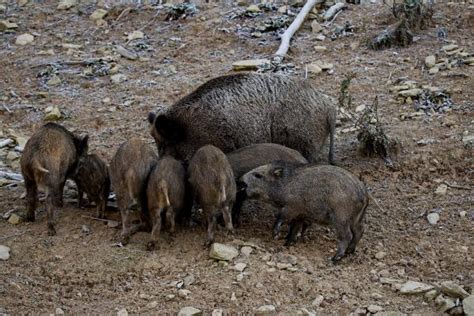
(223, 195)
(39, 167)
(376, 203)
(164, 190)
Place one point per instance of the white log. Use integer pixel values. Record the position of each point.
(286, 37)
(333, 10)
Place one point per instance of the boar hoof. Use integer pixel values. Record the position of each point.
(124, 239)
(30, 218)
(208, 244)
(51, 230)
(336, 258)
(150, 246)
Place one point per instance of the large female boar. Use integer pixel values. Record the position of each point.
(237, 110)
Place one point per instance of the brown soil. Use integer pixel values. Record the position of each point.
(85, 273)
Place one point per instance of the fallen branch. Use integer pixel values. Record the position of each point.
(11, 176)
(333, 10)
(455, 186)
(286, 37)
(96, 218)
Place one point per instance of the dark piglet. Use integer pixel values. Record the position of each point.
(166, 195)
(238, 110)
(250, 157)
(213, 185)
(313, 193)
(130, 169)
(49, 158)
(92, 177)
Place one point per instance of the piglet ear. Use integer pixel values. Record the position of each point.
(278, 172)
(169, 129)
(83, 146)
(151, 117)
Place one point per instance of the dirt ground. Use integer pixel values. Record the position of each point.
(83, 273)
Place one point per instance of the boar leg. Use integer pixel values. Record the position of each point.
(239, 201)
(211, 227)
(31, 198)
(344, 236)
(155, 232)
(277, 225)
(80, 197)
(228, 219)
(357, 232)
(170, 218)
(101, 206)
(332, 128)
(295, 228)
(126, 224)
(50, 211)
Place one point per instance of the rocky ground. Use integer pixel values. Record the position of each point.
(101, 72)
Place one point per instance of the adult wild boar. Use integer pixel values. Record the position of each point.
(49, 158)
(237, 110)
(313, 193)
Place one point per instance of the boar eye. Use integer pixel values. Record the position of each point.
(258, 176)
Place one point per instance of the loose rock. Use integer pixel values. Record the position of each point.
(314, 68)
(433, 70)
(14, 219)
(189, 311)
(98, 14)
(374, 309)
(183, 293)
(217, 312)
(126, 53)
(223, 252)
(380, 255)
(468, 305)
(430, 61)
(151, 305)
(450, 47)
(413, 287)
(53, 114)
(246, 251)
(431, 295)
(316, 27)
(135, 35)
(317, 301)
(5, 25)
(118, 78)
(54, 81)
(113, 224)
(410, 92)
(59, 311)
(444, 303)
(265, 310)
(253, 8)
(320, 37)
(441, 189)
(468, 141)
(24, 39)
(66, 4)
(452, 289)
(240, 266)
(433, 218)
(320, 48)
(4, 252)
(122, 312)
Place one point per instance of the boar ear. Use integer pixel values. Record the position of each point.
(278, 172)
(83, 145)
(169, 129)
(151, 117)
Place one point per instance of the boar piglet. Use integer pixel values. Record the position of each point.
(130, 169)
(313, 193)
(250, 157)
(49, 158)
(238, 110)
(213, 185)
(92, 177)
(165, 193)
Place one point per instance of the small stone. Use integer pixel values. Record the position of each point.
(413, 287)
(54, 81)
(59, 311)
(239, 277)
(71, 46)
(360, 311)
(462, 214)
(183, 293)
(430, 61)
(433, 218)
(265, 310)
(444, 303)
(316, 27)
(217, 312)
(376, 296)
(398, 88)
(374, 309)
(240, 266)
(53, 114)
(246, 251)
(223, 252)
(456, 311)
(380, 255)
(253, 8)
(433, 70)
(126, 53)
(390, 313)
(113, 224)
(170, 297)
(118, 78)
(24, 39)
(320, 37)
(151, 305)
(189, 311)
(454, 290)
(233, 297)
(66, 4)
(360, 108)
(283, 266)
(5, 25)
(305, 311)
(135, 35)
(98, 14)
(450, 47)
(283, 9)
(314, 68)
(122, 312)
(85, 229)
(22, 3)
(14, 219)
(317, 301)
(410, 92)
(320, 48)
(189, 280)
(4, 252)
(441, 189)
(468, 141)
(431, 295)
(250, 64)
(468, 305)
(11, 156)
